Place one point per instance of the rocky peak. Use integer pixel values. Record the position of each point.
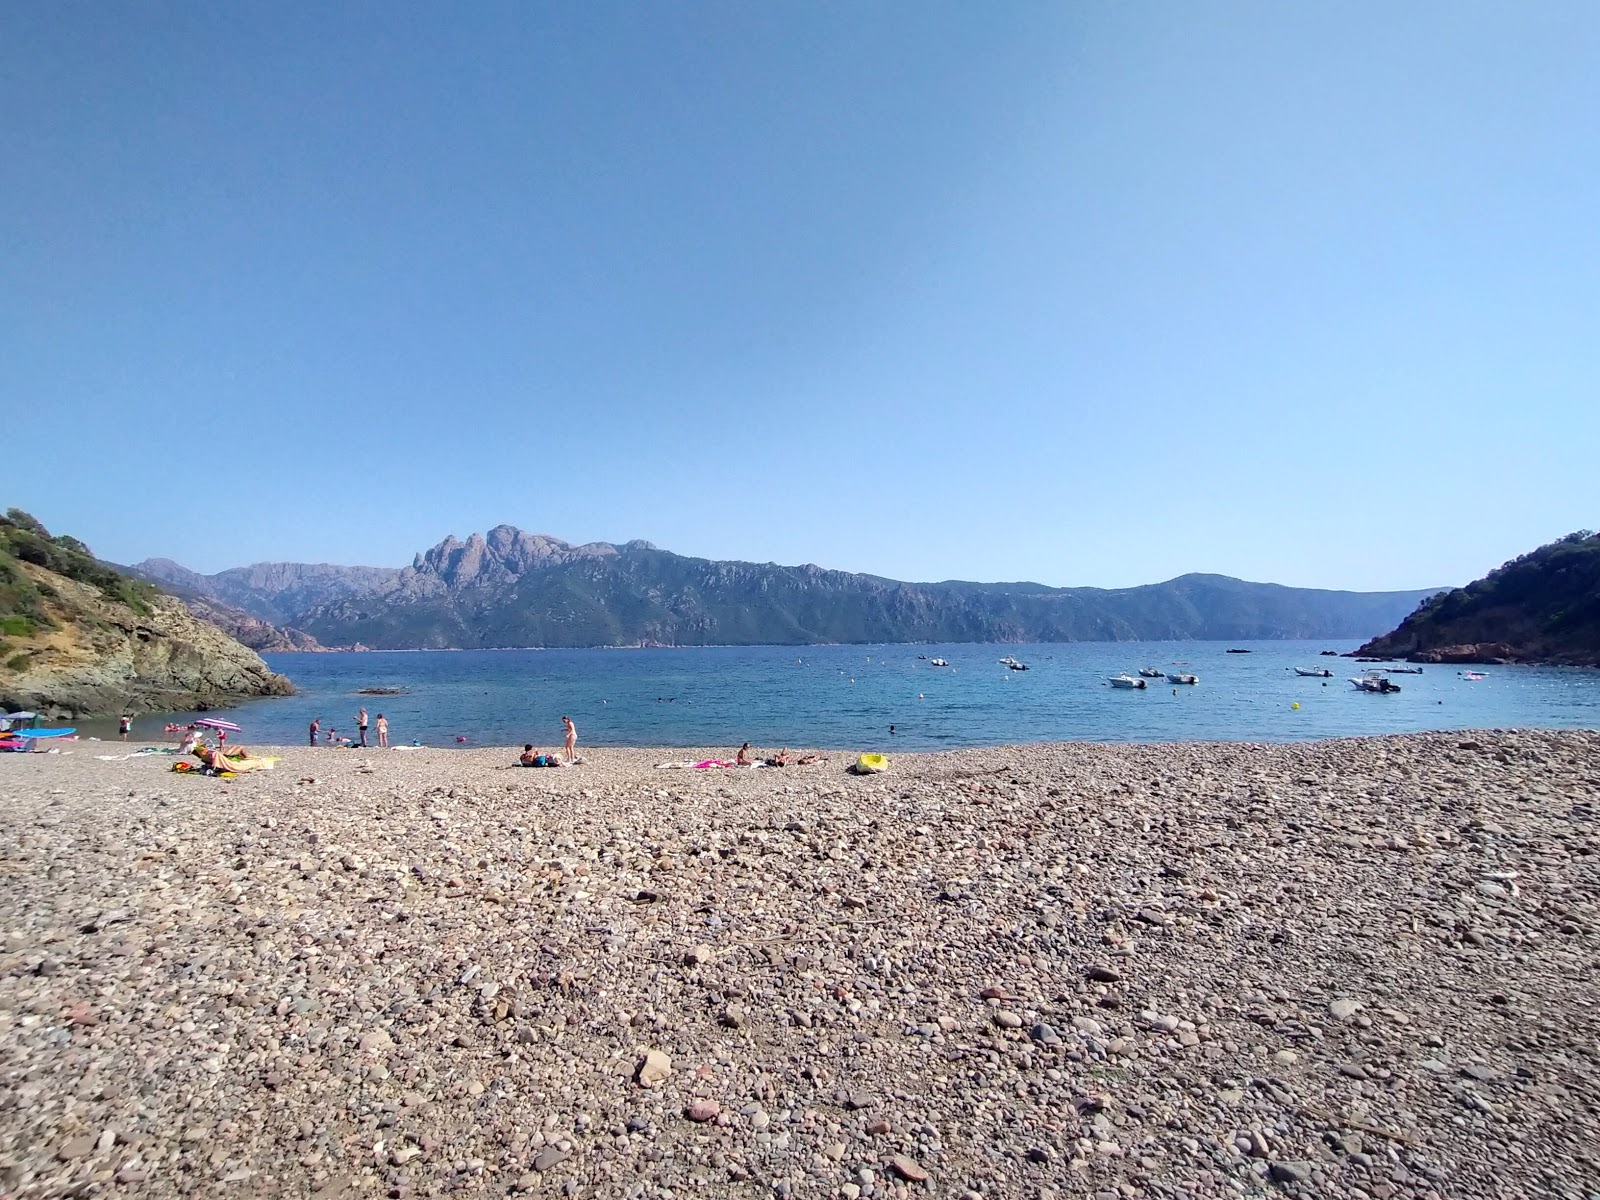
(505, 553)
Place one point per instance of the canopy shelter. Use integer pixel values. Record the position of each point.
(17, 720)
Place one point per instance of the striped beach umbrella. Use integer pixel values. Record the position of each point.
(215, 723)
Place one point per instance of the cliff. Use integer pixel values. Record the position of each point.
(1543, 607)
(512, 588)
(81, 639)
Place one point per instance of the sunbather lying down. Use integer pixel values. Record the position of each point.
(238, 763)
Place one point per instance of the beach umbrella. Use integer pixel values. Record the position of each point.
(214, 723)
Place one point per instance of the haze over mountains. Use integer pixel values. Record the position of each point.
(512, 588)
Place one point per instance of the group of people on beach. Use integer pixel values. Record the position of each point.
(334, 738)
(531, 757)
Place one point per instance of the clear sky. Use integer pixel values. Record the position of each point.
(1085, 293)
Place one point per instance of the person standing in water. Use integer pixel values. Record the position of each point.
(572, 738)
(316, 728)
(124, 726)
(383, 732)
(361, 726)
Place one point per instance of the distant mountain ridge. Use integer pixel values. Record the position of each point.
(513, 588)
(274, 592)
(1543, 607)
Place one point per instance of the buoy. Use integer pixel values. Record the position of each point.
(1295, 705)
(920, 696)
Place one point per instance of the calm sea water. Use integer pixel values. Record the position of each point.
(847, 696)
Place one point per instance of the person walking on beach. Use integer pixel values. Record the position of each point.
(316, 727)
(361, 726)
(572, 738)
(383, 732)
(124, 726)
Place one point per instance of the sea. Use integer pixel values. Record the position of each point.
(887, 697)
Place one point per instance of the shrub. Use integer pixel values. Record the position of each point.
(17, 661)
(18, 626)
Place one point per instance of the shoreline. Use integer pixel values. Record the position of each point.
(888, 747)
(1208, 968)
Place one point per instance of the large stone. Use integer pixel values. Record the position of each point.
(654, 1069)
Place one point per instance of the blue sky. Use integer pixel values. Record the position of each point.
(1080, 293)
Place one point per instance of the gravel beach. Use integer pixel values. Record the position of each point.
(1360, 968)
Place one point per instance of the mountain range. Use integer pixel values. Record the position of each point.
(512, 588)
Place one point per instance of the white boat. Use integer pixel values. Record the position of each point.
(1124, 681)
(1183, 679)
(937, 662)
(1374, 682)
(1151, 672)
(1318, 672)
(1008, 661)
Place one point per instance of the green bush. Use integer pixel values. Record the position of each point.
(17, 661)
(18, 626)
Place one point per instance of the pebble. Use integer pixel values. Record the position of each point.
(908, 1169)
(703, 1110)
(550, 1156)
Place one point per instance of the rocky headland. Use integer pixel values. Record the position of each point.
(1363, 968)
(1543, 607)
(81, 639)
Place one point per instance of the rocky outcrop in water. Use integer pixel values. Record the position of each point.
(1543, 607)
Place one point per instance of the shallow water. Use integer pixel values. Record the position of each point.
(848, 696)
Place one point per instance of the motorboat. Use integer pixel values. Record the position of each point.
(1125, 681)
(1152, 673)
(1374, 682)
(1317, 672)
(937, 662)
(1014, 665)
(1008, 661)
(1402, 670)
(1237, 651)
(1180, 678)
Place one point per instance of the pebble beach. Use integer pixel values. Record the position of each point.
(1356, 968)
